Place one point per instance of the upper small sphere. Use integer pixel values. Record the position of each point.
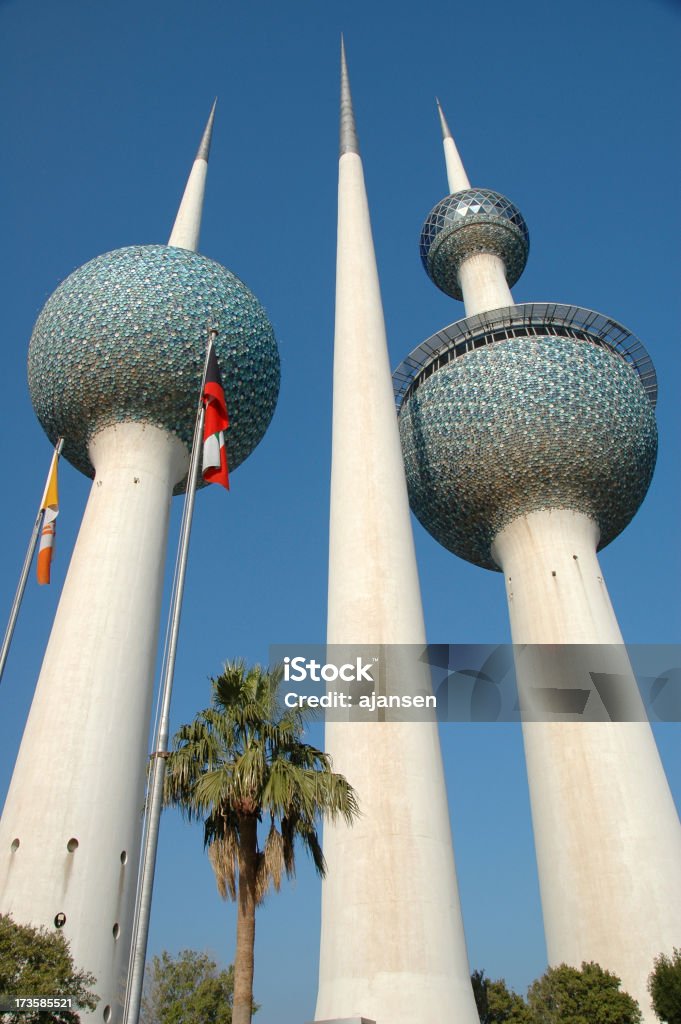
(467, 222)
(524, 424)
(124, 338)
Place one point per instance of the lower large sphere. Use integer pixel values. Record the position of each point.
(521, 425)
(124, 338)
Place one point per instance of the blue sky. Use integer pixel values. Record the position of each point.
(569, 109)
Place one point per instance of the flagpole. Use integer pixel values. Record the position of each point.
(30, 551)
(138, 952)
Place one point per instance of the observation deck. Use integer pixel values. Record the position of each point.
(527, 320)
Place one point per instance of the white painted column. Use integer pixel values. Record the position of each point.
(374, 584)
(70, 829)
(392, 944)
(607, 834)
(457, 179)
(483, 282)
(187, 226)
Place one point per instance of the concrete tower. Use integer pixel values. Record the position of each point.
(529, 440)
(392, 944)
(114, 367)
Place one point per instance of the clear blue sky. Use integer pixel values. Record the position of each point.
(569, 109)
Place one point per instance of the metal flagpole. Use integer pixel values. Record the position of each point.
(138, 952)
(18, 597)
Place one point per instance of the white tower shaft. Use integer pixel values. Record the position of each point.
(76, 798)
(392, 945)
(607, 834)
(483, 282)
(80, 771)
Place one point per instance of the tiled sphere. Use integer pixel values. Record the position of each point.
(521, 425)
(124, 338)
(474, 220)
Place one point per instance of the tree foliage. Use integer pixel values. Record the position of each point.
(37, 962)
(505, 1005)
(496, 1003)
(187, 989)
(480, 984)
(664, 985)
(243, 762)
(565, 995)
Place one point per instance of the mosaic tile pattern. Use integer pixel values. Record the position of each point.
(124, 338)
(467, 222)
(521, 425)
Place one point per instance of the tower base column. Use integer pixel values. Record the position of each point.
(70, 829)
(607, 835)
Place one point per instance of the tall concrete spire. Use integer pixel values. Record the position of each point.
(392, 944)
(456, 173)
(187, 226)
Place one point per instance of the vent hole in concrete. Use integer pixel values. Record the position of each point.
(72, 845)
(124, 857)
(16, 843)
(107, 1013)
(116, 930)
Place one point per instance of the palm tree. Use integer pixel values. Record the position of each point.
(241, 762)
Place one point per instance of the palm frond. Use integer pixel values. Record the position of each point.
(245, 757)
(223, 855)
(311, 841)
(288, 835)
(272, 866)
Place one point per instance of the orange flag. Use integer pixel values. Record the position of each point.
(50, 507)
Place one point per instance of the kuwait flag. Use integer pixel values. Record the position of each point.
(50, 509)
(214, 425)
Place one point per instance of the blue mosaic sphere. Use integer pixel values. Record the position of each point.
(525, 424)
(474, 220)
(124, 338)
